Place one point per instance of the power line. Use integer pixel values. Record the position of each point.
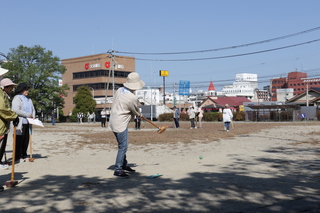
(223, 82)
(231, 56)
(226, 48)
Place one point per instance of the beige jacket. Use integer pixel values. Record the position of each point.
(125, 106)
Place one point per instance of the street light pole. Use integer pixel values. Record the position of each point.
(307, 95)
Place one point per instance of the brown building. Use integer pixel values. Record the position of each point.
(294, 81)
(96, 71)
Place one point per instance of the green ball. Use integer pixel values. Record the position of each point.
(200, 157)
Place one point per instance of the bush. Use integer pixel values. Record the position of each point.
(212, 116)
(165, 117)
(184, 117)
(73, 118)
(239, 116)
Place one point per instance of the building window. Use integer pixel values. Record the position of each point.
(97, 86)
(99, 73)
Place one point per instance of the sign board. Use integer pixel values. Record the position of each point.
(164, 73)
(184, 88)
(311, 80)
(60, 82)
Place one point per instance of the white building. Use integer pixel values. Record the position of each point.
(245, 85)
(148, 96)
(284, 94)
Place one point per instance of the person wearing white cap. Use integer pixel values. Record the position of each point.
(192, 115)
(6, 115)
(124, 107)
(227, 117)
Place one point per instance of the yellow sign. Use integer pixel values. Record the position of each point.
(164, 73)
(241, 108)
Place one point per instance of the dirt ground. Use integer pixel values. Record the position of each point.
(256, 167)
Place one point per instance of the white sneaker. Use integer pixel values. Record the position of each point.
(4, 166)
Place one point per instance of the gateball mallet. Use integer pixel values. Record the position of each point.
(12, 182)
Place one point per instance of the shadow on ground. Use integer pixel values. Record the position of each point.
(285, 186)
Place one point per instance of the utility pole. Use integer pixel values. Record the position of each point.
(307, 94)
(112, 66)
(109, 75)
(174, 94)
(164, 74)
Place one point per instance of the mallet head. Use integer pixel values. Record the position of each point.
(11, 183)
(162, 129)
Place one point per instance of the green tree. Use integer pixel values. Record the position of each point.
(84, 101)
(41, 71)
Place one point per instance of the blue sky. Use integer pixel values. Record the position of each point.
(79, 28)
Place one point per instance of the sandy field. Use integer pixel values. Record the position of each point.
(256, 167)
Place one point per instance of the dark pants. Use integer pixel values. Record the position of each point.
(103, 122)
(176, 121)
(22, 142)
(192, 123)
(3, 144)
(138, 122)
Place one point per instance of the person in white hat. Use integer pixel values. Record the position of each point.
(125, 106)
(6, 115)
(227, 117)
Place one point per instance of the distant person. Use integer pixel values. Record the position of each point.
(124, 106)
(103, 118)
(89, 117)
(23, 106)
(78, 116)
(53, 117)
(192, 115)
(200, 116)
(137, 121)
(81, 115)
(93, 117)
(227, 117)
(176, 116)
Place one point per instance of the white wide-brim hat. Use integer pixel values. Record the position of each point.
(3, 71)
(7, 82)
(134, 82)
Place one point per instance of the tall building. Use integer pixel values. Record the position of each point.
(294, 80)
(245, 86)
(96, 71)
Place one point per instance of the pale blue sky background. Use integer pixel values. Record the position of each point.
(79, 28)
